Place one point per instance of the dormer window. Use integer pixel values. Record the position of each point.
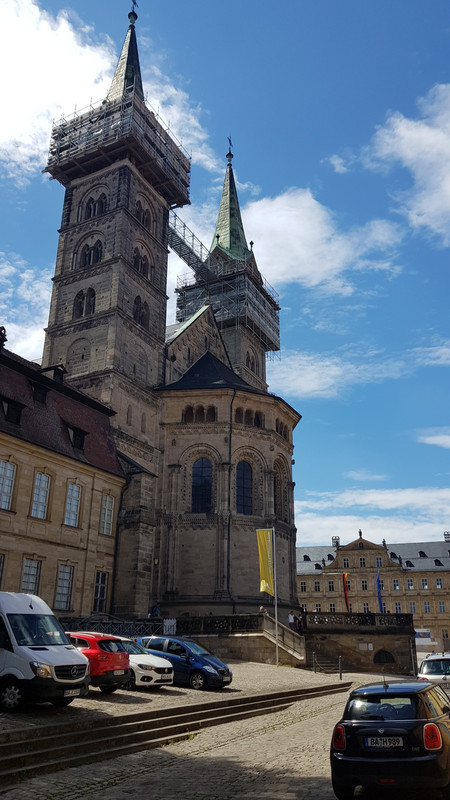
(317, 566)
(438, 562)
(306, 558)
(12, 410)
(422, 554)
(330, 557)
(409, 564)
(39, 393)
(76, 436)
(393, 555)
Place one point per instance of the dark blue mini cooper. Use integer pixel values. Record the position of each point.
(393, 735)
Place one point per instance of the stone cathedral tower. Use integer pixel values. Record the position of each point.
(206, 449)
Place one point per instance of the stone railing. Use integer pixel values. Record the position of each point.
(314, 621)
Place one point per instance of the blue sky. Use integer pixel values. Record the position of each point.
(339, 113)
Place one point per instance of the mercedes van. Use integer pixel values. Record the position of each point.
(37, 662)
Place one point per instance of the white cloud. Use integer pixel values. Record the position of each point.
(25, 296)
(338, 164)
(60, 64)
(364, 475)
(435, 436)
(302, 375)
(298, 240)
(422, 146)
(397, 515)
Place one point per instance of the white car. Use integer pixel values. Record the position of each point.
(146, 670)
(436, 669)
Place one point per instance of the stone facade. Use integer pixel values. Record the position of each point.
(413, 578)
(122, 173)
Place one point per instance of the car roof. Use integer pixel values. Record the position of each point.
(92, 635)
(392, 687)
(437, 656)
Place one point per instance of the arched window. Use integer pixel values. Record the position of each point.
(85, 255)
(90, 301)
(95, 207)
(248, 419)
(211, 414)
(244, 488)
(258, 420)
(144, 266)
(239, 416)
(78, 305)
(137, 309)
(97, 252)
(146, 219)
(89, 210)
(188, 415)
(145, 317)
(101, 204)
(201, 486)
(136, 259)
(200, 414)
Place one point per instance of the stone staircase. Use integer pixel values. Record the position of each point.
(48, 748)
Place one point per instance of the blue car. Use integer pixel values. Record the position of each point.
(193, 665)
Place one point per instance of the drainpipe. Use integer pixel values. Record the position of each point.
(229, 503)
(116, 543)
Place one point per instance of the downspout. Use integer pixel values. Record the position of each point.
(116, 543)
(229, 504)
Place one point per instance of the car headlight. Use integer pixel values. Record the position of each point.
(41, 670)
(148, 667)
(210, 669)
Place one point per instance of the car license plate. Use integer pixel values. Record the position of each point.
(71, 692)
(383, 742)
(119, 672)
(227, 679)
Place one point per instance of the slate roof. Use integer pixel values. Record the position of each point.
(47, 424)
(408, 552)
(210, 373)
(128, 70)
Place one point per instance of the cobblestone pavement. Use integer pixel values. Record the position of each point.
(278, 756)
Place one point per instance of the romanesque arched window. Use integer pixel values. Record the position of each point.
(239, 416)
(91, 254)
(210, 414)
(145, 316)
(78, 305)
(244, 488)
(258, 421)
(199, 414)
(144, 266)
(137, 309)
(90, 302)
(94, 207)
(188, 415)
(201, 486)
(248, 419)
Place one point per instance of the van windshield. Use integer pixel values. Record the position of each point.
(36, 629)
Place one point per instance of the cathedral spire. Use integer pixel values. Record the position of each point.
(128, 71)
(229, 234)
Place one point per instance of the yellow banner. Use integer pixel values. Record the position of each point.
(265, 550)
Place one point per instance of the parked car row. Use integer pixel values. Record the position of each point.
(39, 662)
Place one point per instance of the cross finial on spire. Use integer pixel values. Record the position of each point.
(230, 154)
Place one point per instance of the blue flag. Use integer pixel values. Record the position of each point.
(380, 604)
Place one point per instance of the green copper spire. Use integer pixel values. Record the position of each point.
(128, 70)
(229, 234)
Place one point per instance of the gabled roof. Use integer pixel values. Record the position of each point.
(128, 71)
(210, 373)
(175, 330)
(229, 235)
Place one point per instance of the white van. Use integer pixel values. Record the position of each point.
(37, 662)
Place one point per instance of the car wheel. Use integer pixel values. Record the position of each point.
(445, 792)
(11, 697)
(131, 682)
(342, 791)
(197, 680)
(108, 689)
(62, 701)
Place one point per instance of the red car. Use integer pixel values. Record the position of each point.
(108, 660)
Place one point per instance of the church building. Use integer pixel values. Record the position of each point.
(205, 448)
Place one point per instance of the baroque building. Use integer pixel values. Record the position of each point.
(363, 577)
(60, 489)
(205, 448)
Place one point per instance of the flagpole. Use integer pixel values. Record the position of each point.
(275, 593)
